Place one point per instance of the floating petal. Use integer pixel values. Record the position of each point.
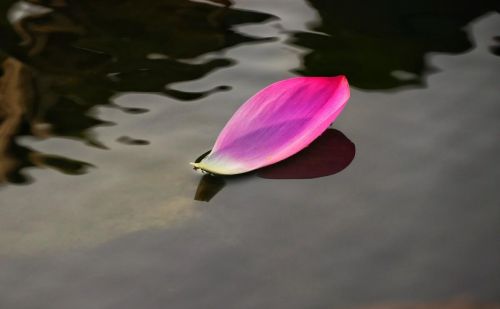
(276, 123)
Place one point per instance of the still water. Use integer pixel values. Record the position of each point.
(104, 103)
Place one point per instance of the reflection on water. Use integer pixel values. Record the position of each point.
(495, 49)
(61, 60)
(329, 154)
(131, 141)
(385, 44)
(208, 187)
(20, 115)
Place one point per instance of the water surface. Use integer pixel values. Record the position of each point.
(104, 103)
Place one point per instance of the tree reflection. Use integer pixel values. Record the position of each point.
(384, 44)
(62, 58)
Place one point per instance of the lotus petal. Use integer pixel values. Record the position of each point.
(276, 123)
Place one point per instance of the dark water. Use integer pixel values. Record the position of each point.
(104, 103)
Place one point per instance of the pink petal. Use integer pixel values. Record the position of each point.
(276, 123)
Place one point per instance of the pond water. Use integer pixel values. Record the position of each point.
(103, 104)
